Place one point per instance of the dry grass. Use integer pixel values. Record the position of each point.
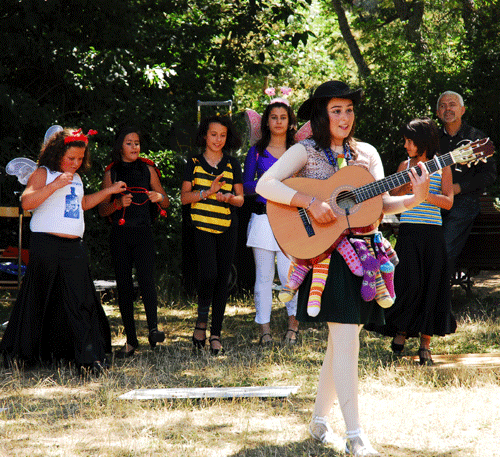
(407, 410)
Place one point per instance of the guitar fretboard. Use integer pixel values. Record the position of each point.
(398, 179)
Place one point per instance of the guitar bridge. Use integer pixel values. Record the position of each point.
(306, 221)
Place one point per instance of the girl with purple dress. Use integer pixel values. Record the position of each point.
(278, 126)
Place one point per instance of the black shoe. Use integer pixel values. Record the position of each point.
(215, 351)
(198, 345)
(425, 357)
(155, 336)
(398, 349)
(123, 353)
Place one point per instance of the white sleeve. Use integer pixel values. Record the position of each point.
(270, 185)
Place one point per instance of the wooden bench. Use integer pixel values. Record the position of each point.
(482, 249)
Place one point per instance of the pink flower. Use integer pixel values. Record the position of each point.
(92, 132)
(285, 90)
(270, 91)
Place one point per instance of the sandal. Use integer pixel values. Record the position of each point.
(215, 351)
(288, 340)
(198, 345)
(123, 353)
(425, 357)
(269, 342)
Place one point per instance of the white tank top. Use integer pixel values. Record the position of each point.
(62, 212)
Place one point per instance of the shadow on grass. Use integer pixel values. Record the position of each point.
(310, 448)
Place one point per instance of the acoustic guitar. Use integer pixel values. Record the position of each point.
(356, 200)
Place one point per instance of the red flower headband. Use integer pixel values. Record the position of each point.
(79, 136)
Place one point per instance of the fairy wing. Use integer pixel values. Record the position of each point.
(22, 168)
(304, 132)
(253, 123)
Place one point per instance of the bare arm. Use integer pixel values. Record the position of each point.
(91, 200)
(445, 199)
(37, 191)
(158, 194)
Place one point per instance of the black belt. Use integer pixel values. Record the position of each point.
(260, 208)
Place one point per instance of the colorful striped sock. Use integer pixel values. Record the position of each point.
(320, 273)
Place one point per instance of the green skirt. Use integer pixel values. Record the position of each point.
(341, 300)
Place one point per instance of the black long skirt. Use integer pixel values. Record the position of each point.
(422, 285)
(57, 315)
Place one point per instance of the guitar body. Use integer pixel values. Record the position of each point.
(289, 228)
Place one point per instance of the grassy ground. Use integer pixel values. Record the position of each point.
(406, 410)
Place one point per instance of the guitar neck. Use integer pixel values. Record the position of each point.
(398, 179)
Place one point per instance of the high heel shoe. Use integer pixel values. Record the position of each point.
(123, 353)
(198, 345)
(155, 336)
(425, 357)
(397, 348)
(215, 351)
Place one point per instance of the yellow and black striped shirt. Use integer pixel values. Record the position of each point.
(211, 215)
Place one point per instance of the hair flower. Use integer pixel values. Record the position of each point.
(270, 91)
(286, 91)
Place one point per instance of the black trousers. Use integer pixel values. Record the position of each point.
(134, 246)
(215, 254)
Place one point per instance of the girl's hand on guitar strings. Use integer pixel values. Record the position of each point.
(420, 184)
(321, 212)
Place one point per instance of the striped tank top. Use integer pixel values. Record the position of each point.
(211, 215)
(425, 212)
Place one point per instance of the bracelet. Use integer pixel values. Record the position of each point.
(201, 195)
(311, 202)
(162, 197)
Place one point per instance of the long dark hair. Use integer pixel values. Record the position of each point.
(233, 140)
(53, 151)
(320, 126)
(425, 135)
(116, 152)
(266, 132)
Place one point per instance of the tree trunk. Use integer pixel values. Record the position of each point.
(411, 15)
(363, 69)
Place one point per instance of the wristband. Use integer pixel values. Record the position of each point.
(311, 202)
(162, 197)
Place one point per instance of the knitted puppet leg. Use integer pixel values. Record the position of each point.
(370, 267)
(382, 295)
(346, 250)
(296, 275)
(319, 275)
(386, 262)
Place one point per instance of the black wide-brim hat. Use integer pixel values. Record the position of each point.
(330, 89)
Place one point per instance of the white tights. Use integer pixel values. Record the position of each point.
(265, 267)
(339, 374)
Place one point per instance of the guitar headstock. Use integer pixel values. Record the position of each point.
(473, 151)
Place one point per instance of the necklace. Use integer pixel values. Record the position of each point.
(213, 163)
(334, 156)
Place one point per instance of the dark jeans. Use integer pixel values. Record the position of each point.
(215, 254)
(457, 224)
(134, 246)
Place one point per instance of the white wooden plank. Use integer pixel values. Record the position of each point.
(210, 392)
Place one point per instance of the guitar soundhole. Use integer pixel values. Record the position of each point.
(346, 200)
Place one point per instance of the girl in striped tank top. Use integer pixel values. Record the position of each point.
(213, 186)
(421, 279)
